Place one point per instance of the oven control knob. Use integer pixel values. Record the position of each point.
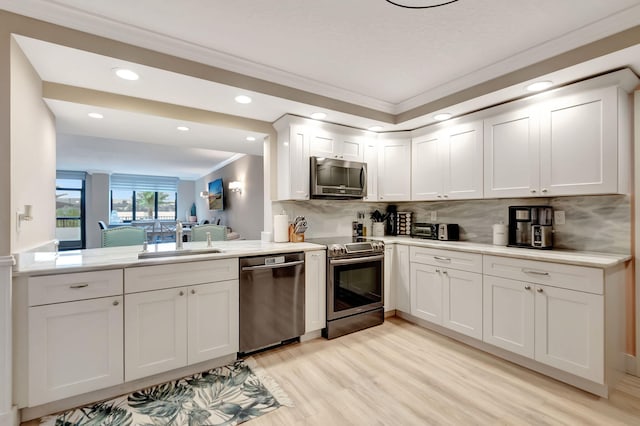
(336, 250)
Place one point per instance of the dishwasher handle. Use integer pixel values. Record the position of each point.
(274, 266)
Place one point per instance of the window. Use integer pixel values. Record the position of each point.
(70, 215)
(143, 205)
(135, 197)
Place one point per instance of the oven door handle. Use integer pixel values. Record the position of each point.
(356, 260)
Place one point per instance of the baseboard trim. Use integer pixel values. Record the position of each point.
(310, 336)
(631, 364)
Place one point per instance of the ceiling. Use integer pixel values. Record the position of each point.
(363, 62)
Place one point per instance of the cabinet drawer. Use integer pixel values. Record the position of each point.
(69, 287)
(578, 278)
(471, 262)
(146, 278)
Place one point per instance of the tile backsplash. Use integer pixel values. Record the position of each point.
(593, 223)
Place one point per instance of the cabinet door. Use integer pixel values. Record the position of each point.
(390, 282)
(323, 144)
(462, 157)
(426, 292)
(570, 331)
(74, 347)
(579, 144)
(426, 168)
(156, 332)
(508, 315)
(511, 154)
(351, 148)
(298, 164)
(371, 158)
(462, 302)
(212, 322)
(315, 292)
(394, 172)
(402, 277)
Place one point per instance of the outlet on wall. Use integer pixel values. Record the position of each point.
(558, 217)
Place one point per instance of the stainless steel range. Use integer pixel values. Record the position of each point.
(355, 288)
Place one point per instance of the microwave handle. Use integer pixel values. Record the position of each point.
(363, 177)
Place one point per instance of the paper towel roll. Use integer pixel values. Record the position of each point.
(500, 234)
(281, 228)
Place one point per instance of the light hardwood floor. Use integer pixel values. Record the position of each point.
(401, 374)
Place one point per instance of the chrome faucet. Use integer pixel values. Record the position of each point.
(178, 235)
(208, 239)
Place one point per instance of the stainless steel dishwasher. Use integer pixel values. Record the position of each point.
(271, 300)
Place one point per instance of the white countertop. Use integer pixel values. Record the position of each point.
(42, 263)
(581, 258)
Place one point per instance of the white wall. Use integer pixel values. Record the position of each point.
(96, 206)
(33, 156)
(186, 197)
(243, 213)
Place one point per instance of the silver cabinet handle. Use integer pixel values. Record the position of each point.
(79, 285)
(438, 270)
(446, 195)
(116, 303)
(444, 271)
(544, 189)
(539, 290)
(193, 291)
(445, 259)
(530, 271)
(527, 287)
(181, 293)
(533, 191)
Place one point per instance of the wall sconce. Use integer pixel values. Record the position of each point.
(24, 216)
(204, 194)
(235, 186)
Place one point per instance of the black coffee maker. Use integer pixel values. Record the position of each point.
(531, 226)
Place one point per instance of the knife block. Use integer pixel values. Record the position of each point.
(293, 237)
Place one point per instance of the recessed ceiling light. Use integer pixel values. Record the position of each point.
(375, 128)
(318, 115)
(243, 99)
(95, 115)
(250, 138)
(442, 116)
(183, 128)
(539, 85)
(126, 74)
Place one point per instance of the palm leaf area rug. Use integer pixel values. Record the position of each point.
(226, 395)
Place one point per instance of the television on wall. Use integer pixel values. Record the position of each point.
(216, 198)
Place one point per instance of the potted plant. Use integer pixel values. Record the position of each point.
(378, 220)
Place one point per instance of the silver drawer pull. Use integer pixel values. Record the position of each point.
(539, 290)
(527, 287)
(116, 303)
(446, 259)
(529, 271)
(79, 286)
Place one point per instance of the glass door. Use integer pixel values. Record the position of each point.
(70, 213)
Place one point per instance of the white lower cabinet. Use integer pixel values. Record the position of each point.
(559, 327)
(74, 333)
(190, 316)
(172, 328)
(315, 292)
(444, 295)
(399, 277)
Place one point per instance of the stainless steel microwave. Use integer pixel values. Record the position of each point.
(337, 179)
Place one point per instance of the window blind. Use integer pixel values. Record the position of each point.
(70, 174)
(144, 183)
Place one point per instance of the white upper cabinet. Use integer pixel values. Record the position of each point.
(329, 144)
(293, 161)
(575, 142)
(394, 170)
(447, 164)
(371, 158)
(579, 143)
(511, 154)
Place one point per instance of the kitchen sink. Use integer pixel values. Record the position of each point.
(172, 253)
